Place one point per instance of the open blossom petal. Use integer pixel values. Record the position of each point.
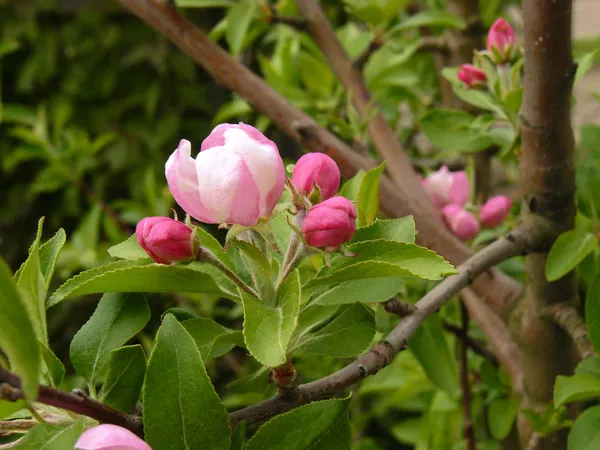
(110, 437)
(237, 178)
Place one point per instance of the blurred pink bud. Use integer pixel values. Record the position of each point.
(110, 437)
(501, 42)
(316, 169)
(237, 178)
(495, 211)
(444, 187)
(164, 239)
(461, 223)
(472, 76)
(330, 223)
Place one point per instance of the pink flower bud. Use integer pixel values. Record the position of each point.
(316, 169)
(472, 76)
(444, 187)
(501, 43)
(237, 178)
(495, 211)
(462, 223)
(330, 223)
(110, 437)
(165, 240)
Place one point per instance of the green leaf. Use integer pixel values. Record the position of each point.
(262, 272)
(368, 196)
(351, 188)
(321, 424)
(128, 249)
(51, 437)
(568, 251)
(575, 388)
(479, 99)
(513, 100)
(585, 434)
(17, 336)
(124, 379)
(501, 416)
(49, 253)
(402, 230)
(117, 318)
(238, 437)
(255, 382)
(592, 313)
(368, 282)
(453, 130)
(584, 64)
(134, 276)
(430, 18)
(419, 261)
(32, 287)
(182, 412)
(239, 17)
(213, 340)
(53, 369)
(347, 335)
(203, 3)
(208, 241)
(589, 366)
(316, 75)
(431, 350)
(268, 329)
(8, 408)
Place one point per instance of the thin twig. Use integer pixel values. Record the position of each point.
(383, 353)
(79, 404)
(569, 319)
(464, 378)
(475, 345)
(294, 251)
(534, 442)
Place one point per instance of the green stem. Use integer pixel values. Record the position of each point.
(294, 252)
(206, 255)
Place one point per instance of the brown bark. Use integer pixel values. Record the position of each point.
(548, 186)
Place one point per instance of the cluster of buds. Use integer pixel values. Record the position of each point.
(449, 193)
(501, 49)
(110, 437)
(237, 179)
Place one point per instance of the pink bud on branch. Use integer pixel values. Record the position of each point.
(237, 178)
(165, 240)
(472, 76)
(460, 222)
(110, 437)
(495, 211)
(446, 187)
(316, 170)
(329, 224)
(501, 41)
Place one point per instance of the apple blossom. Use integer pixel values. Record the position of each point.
(472, 76)
(495, 211)
(316, 169)
(460, 222)
(110, 437)
(237, 178)
(501, 42)
(445, 187)
(330, 223)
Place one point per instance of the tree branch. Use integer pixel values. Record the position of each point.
(475, 345)
(500, 290)
(79, 404)
(569, 320)
(382, 354)
(548, 186)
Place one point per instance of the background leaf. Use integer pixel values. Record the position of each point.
(117, 319)
(585, 434)
(212, 339)
(51, 437)
(239, 18)
(575, 388)
(368, 196)
(306, 427)
(568, 251)
(124, 379)
(183, 412)
(17, 336)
